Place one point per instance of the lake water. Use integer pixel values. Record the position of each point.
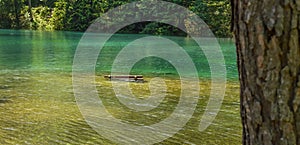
(37, 103)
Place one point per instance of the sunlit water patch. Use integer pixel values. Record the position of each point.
(37, 104)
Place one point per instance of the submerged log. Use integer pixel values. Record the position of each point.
(129, 78)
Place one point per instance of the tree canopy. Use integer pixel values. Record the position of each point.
(77, 15)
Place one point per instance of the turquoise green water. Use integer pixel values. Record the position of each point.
(37, 104)
(53, 51)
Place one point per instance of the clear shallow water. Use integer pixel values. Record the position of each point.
(37, 105)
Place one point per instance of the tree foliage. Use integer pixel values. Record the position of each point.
(77, 15)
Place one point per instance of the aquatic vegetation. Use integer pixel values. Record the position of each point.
(42, 109)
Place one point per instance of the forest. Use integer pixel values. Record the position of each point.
(77, 15)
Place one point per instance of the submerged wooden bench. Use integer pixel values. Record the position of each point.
(129, 78)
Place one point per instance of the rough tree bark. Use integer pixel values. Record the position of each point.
(267, 41)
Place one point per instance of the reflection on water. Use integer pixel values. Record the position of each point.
(37, 105)
(37, 50)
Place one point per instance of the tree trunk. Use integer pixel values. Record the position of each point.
(17, 11)
(30, 11)
(267, 41)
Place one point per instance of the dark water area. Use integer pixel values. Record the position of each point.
(37, 103)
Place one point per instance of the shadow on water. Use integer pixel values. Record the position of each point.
(5, 99)
(5, 86)
(2, 101)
